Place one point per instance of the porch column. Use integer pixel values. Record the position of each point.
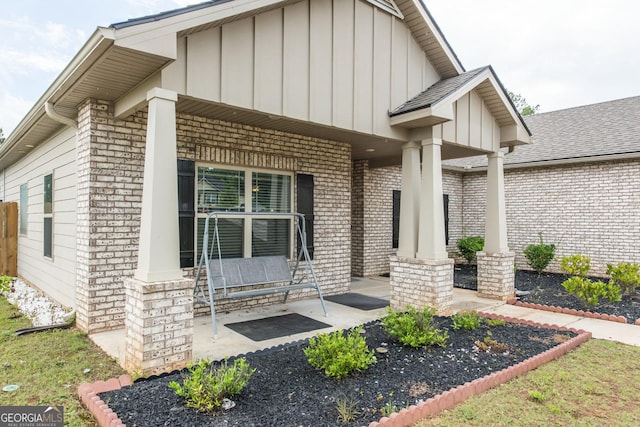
(159, 247)
(427, 279)
(409, 200)
(495, 263)
(159, 302)
(431, 237)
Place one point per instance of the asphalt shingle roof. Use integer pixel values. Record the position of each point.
(589, 131)
(436, 92)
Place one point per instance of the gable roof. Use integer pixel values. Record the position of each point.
(602, 131)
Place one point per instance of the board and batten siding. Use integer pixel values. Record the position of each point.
(473, 125)
(336, 63)
(55, 156)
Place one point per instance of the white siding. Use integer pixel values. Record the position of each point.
(57, 156)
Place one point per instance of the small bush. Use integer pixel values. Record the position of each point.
(539, 255)
(467, 320)
(413, 328)
(495, 322)
(625, 275)
(5, 284)
(339, 354)
(206, 386)
(576, 265)
(590, 291)
(468, 246)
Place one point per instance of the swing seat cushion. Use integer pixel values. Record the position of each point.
(250, 271)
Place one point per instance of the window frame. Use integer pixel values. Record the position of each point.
(24, 209)
(47, 215)
(248, 206)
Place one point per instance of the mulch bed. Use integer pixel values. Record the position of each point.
(286, 391)
(545, 289)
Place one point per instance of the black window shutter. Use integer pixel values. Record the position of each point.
(445, 202)
(186, 211)
(304, 184)
(396, 219)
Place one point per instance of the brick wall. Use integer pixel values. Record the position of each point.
(110, 156)
(110, 160)
(372, 212)
(590, 208)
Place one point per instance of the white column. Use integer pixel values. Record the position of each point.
(495, 231)
(409, 201)
(159, 247)
(431, 237)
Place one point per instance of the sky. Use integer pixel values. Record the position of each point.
(556, 53)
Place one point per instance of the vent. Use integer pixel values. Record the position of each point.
(388, 6)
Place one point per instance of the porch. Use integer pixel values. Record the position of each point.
(229, 342)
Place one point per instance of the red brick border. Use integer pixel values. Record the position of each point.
(105, 417)
(581, 313)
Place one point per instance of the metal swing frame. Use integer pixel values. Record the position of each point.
(226, 276)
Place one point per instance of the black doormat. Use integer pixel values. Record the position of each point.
(359, 301)
(276, 327)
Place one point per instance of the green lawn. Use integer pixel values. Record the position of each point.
(48, 366)
(598, 384)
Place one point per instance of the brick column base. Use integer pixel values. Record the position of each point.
(496, 276)
(421, 282)
(159, 325)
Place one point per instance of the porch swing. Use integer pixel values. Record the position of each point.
(230, 277)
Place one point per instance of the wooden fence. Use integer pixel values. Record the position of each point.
(9, 239)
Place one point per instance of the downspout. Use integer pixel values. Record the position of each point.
(54, 115)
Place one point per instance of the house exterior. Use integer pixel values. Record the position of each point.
(576, 183)
(248, 105)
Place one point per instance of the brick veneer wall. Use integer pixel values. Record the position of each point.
(110, 161)
(372, 213)
(588, 208)
(110, 155)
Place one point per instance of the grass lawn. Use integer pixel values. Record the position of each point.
(48, 366)
(595, 385)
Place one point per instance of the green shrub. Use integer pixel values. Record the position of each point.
(206, 386)
(468, 246)
(495, 322)
(467, 320)
(590, 291)
(576, 265)
(339, 354)
(5, 283)
(413, 328)
(625, 275)
(539, 255)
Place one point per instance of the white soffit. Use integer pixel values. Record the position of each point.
(389, 6)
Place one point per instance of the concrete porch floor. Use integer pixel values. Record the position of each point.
(229, 342)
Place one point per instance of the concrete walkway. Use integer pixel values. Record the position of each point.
(229, 343)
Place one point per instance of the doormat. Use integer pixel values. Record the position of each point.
(276, 326)
(359, 301)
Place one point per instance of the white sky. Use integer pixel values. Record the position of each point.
(556, 53)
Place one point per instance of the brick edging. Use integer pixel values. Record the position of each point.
(571, 311)
(105, 417)
(88, 394)
(447, 400)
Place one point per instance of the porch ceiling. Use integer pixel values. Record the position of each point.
(379, 151)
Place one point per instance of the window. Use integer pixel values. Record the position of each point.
(396, 218)
(48, 216)
(24, 208)
(236, 190)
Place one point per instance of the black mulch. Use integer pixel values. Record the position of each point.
(546, 289)
(286, 391)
